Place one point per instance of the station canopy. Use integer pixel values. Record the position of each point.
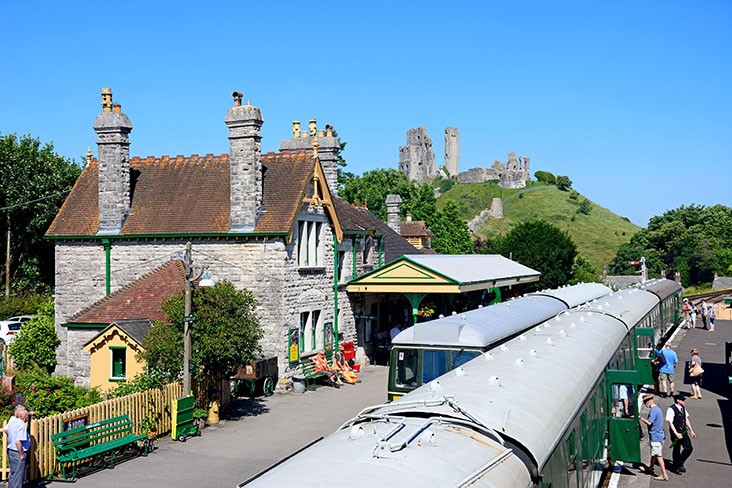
(443, 273)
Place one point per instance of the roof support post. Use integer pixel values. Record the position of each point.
(414, 300)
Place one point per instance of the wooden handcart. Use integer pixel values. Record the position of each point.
(259, 377)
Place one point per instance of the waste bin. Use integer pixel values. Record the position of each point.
(298, 384)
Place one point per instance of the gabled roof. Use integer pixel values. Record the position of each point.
(443, 273)
(358, 220)
(135, 329)
(190, 196)
(415, 228)
(140, 299)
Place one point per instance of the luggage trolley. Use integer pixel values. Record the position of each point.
(259, 377)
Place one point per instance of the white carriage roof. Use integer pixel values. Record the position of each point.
(440, 273)
(480, 327)
(532, 386)
(576, 295)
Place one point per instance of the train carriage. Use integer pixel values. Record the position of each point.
(427, 350)
(537, 411)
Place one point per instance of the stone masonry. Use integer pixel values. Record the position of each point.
(417, 159)
(452, 151)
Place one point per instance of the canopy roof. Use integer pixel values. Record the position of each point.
(440, 273)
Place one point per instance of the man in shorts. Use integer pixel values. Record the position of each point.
(666, 373)
(656, 434)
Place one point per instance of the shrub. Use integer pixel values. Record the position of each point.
(573, 195)
(585, 207)
(564, 183)
(37, 343)
(21, 305)
(545, 177)
(141, 382)
(446, 185)
(47, 394)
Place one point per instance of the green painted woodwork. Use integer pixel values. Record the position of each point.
(107, 266)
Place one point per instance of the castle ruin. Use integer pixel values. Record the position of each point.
(417, 161)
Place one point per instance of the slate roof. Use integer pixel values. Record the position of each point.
(188, 195)
(358, 220)
(140, 299)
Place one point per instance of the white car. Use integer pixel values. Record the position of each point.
(10, 328)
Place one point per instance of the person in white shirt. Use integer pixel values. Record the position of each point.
(18, 445)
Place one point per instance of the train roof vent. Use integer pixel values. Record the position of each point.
(427, 438)
(504, 347)
(460, 371)
(519, 363)
(435, 385)
(494, 381)
(522, 337)
(573, 325)
(550, 341)
(356, 432)
(563, 333)
(488, 356)
(533, 353)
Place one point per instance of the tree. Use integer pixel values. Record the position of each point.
(585, 207)
(543, 247)
(372, 188)
(583, 272)
(37, 343)
(564, 183)
(452, 235)
(35, 182)
(545, 177)
(225, 333)
(695, 241)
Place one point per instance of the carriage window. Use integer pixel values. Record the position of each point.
(406, 371)
(644, 346)
(434, 364)
(461, 357)
(623, 400)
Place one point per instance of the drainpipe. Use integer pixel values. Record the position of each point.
(107, 265)
(355, 271)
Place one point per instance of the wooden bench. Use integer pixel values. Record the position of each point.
(308, 370)
(76, 445)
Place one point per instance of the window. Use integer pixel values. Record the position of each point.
(119, 362)
(310, 244)
(341, 268)
(310, 331)
(434, 364)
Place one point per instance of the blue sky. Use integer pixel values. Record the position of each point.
(631, 100)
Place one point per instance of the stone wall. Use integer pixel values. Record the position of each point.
(513, 174)
(417, 158)
(266, 267)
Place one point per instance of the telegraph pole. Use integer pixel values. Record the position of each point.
(187, 318)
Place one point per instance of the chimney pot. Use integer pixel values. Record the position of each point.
(117, 108)
(237, 98)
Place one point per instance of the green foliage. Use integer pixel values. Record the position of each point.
(163, 351)
(421, 204)
(573, 195)
(141, 382)
(21, 304)
(585, 207)
(225, 333)
(564, 183)
(48, 394)
(543, 247)
(446, 185)
(583, 272)
(35, 182)
(37, 343)
(451, 231)
(545, 177)
(372, 188)
(695, 241)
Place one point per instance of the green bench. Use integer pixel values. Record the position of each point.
(79, 444)
(308, 370)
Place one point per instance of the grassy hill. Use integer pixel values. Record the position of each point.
(597, 235)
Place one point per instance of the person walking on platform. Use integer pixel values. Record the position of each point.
(666, 371)
(686, 324)
(656, 434)
(693, 316)
(695, 373)
(711, 316)
(704, 312)
(681, 433)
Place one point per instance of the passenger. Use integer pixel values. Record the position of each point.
(395, 331)
(687, 315)
(711, 316)
(679, 429)
(693, 316)
(344, 369)
(666, 371)
(696, 379)
(704, 313)
(656, 434)
(321, 366)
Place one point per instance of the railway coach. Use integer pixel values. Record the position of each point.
(538, 411)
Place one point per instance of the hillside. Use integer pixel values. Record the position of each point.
(597, 235)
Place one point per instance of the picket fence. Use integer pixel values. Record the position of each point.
(155, 405)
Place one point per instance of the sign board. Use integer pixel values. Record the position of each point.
(74, 422)
(633, 262)
(328, 336)
(293, 345)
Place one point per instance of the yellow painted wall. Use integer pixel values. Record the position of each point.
(101, 358)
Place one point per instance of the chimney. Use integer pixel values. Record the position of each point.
(113, 140)
(328, 150)
(393, 208)
(245, 160)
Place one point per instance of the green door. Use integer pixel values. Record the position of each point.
(644, 344)
(625, 440)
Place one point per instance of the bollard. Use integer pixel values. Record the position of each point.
(213, 413)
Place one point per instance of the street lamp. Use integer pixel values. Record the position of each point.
(192, 274)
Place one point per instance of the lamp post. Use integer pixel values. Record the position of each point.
(192, 274)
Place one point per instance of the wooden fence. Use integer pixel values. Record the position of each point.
(151, 405)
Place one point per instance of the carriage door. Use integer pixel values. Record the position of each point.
(644, 343)
(624, 429)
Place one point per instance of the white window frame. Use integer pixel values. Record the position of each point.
(310, 244)
(311, 331)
